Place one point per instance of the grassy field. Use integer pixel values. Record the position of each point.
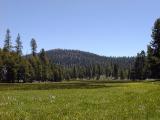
(87, 100)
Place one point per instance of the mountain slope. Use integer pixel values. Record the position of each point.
(75, 57)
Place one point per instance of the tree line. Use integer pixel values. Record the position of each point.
(43, 66)
(147, 65)
(91, 66)
(14, 67)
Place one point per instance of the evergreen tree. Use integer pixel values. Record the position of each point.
(1, 68)
(98, 72)
(74, 72)
(39, 74)
(129, 73)
(7, 43)
(35, 69)
(94, 70)
(107, 72)
(30, 73)
(139, 70)
(21, 72)
(33, 46)
(11, 71)
(43, 57)
(115, 71)
(18, 45)
(122, 75)
(60, 74)
(56, 76)
(154, 51)
(45, 65)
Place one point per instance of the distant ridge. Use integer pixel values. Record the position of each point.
(68, 57)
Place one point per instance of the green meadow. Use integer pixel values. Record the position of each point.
(81, 100)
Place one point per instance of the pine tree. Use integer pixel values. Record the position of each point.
(98, 72)
(33, 46)
(1, 68)
(43, 57)
(11, 71)
(7, 43)
(115, 71)
(154, 51)
(74, 72)
(107, 72)
(122, 76)
(45, 65)
(129, 73)
(30, 73)
(56, 75)
(60, 75)
(19, 45)
(139, 70)
(34, 61)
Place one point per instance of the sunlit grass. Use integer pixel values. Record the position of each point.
(80, 101)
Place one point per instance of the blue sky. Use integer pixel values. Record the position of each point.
(105, 27)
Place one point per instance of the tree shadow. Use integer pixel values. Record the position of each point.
(53, 86)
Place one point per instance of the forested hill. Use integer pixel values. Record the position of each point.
(76, 57)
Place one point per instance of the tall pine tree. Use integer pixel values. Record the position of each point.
(18, 46)
(139, 70)
(7, 42)
(33, 46)
(154, 51)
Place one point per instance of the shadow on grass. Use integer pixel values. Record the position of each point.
(153, 81)
(109, 81)
(52, 86)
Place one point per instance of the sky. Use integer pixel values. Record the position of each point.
(104, 27)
